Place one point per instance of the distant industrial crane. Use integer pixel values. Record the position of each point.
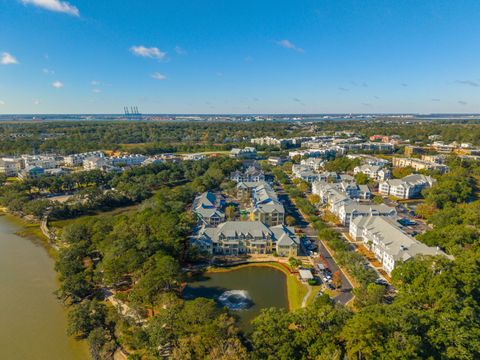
(132, 113)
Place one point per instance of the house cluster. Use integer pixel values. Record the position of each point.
(262, 231)
(31, 166)
(343, 199)
(387, 241)
(281, 143)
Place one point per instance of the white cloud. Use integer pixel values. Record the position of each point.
(152, 52)
(54, 5)
(2, 102)
(287, 44)
(179, 50)
(48, 71)
(8, 59)
(57, 84)
(96, 91)
(158, 76)
(95, 82)
(36, 102)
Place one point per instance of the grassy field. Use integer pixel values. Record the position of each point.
(296, 290)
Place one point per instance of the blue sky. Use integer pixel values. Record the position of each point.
(246, 56)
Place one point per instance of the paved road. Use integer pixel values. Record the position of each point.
(345, 294)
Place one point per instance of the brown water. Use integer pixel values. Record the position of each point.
(32, 320)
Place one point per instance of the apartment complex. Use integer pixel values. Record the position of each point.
(244, 237)
(418, 164)
(387, 241)
(408, 187)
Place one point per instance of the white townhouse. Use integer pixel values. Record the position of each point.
(352, 210)
(314, 164)
(375, 172)
(387, 241)
(408, 187)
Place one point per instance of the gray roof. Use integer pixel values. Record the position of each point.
(254, 230)
(394, 241)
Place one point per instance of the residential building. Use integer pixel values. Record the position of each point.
(277, 161)
(375, 172)
(31, 172)
(349, 211)
(265, 206)
(245, 153)
(208, 208)
(251, 174)
(10, 167)
(408, 187)
(194, 157)
(127, 160)
(77, 159)
(314, 164)
(419, 164)
(387, 241)
(243, 237)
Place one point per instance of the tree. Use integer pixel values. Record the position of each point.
(426, 210)
(378, 200)
(401, 172)
(362, 178)
(230, 212)
(84, 317)
(372, 294)
(337, 279)
(158, 276)
(314, 199)
(290, 220)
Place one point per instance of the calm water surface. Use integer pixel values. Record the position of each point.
(265, 286)
(32, 320)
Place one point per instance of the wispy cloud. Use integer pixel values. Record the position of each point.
(343, 89)
(48, 71)
(404, 84)
(461, 102)
(180, 51)
(96, 91)
(367, 104)
(94, 82)
(287, 44)
(297, 100)
(57, 84)
(2, 102)
(148, 52)
(36, 102)
(158, 76)
(8, 59)
(436, 100)
(54, 5)
(467, 82)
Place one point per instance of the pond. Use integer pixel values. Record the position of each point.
(245, 291)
